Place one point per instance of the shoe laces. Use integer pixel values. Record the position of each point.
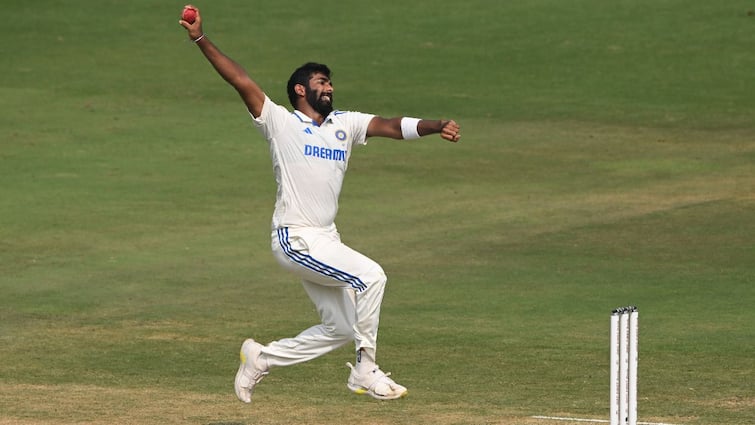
(255, 376)
(375, 375)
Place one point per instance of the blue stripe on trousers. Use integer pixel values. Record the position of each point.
(309, 262)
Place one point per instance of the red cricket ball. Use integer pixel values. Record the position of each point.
(189, 15)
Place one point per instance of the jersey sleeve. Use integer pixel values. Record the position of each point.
(358, 123)
(271, 119)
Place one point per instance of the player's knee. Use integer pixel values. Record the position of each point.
(376, 276)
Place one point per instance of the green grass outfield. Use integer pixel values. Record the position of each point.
(608, 158)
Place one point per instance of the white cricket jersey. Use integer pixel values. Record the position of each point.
(309, 161)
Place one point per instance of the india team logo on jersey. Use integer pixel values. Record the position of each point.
(325, 152)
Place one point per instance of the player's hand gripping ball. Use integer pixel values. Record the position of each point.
(189, 14)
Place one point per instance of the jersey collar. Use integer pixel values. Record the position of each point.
(307, 120)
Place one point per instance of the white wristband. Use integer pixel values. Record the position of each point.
(409, 128)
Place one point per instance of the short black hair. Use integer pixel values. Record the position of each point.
(302, 76)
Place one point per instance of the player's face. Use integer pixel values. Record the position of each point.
(320, 94)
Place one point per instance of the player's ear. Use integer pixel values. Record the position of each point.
(300, 90)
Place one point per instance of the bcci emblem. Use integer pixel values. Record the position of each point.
(341, 135)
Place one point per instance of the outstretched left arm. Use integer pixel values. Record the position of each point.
(411, 128)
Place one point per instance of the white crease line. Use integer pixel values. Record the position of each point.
(558, 418)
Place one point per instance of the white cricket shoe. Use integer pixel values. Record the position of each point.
(250, 373)
(376, 384)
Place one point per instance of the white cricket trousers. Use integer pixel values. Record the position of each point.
(345, 286)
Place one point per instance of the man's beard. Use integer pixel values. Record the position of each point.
(322, 106)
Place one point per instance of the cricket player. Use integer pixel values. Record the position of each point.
(310, 149)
